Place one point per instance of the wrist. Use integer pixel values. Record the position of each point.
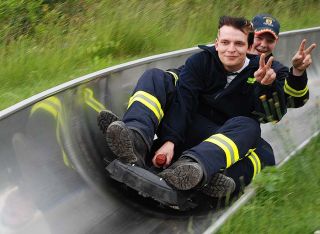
(297, 72)
(170, 144)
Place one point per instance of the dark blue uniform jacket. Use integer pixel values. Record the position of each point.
(201, 89)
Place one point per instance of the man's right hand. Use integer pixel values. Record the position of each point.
(265, 75)
(302, 59)
(166, 149)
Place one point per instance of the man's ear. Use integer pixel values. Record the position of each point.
(216, 43)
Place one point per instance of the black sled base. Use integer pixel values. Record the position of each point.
(150, 185)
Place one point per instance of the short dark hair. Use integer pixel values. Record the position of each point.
(239, 23)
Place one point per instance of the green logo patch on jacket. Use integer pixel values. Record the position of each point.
(251, 80)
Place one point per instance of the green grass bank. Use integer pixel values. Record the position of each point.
(45, 43)
(287, 199)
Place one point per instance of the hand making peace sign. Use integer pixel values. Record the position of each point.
(265, 75)
(302, 59)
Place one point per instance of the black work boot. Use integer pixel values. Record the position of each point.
(184, 174)
(105, 118)
(127, 144)
(219, 186)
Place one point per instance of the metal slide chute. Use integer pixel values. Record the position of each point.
(52, 168)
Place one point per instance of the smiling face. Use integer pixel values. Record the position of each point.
(263, 43)
(232, 46)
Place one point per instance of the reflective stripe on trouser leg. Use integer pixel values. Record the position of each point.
(151, 96)
(255, 160)
(245, 169)
(228, 146)
(149, 101)
(215, 153)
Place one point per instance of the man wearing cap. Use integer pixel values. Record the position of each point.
(266, 36)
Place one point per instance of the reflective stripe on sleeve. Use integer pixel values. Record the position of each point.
(292, 92)
(149, 101)
(228, 146)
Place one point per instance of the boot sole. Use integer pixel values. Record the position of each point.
(119, 142)
(104, 119)
(220, 186)
(183, 177)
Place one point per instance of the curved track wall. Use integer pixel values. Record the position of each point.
(52, 175)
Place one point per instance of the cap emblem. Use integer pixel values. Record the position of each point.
(268, 21)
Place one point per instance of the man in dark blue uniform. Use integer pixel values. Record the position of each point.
(266, 37)
(218, 136)
(222, 105)
(296, 91)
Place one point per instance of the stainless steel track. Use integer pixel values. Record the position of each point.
(52, 178)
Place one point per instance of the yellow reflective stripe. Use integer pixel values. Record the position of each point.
(91, 101)
(65, 157)
(54, 107)
(147, 104)
(51, 104)
(149, 101)
(258, 162)
(292, 92)
(175, 76)
(46, 107)
(255, 162)
(250, 151)
(66, 160)
(232, 144)
(228, 146)
(254, 166)
(224, 148)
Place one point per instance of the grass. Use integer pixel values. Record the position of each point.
(93, 35)
(287, 199)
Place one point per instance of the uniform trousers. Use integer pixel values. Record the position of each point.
(235, 147)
